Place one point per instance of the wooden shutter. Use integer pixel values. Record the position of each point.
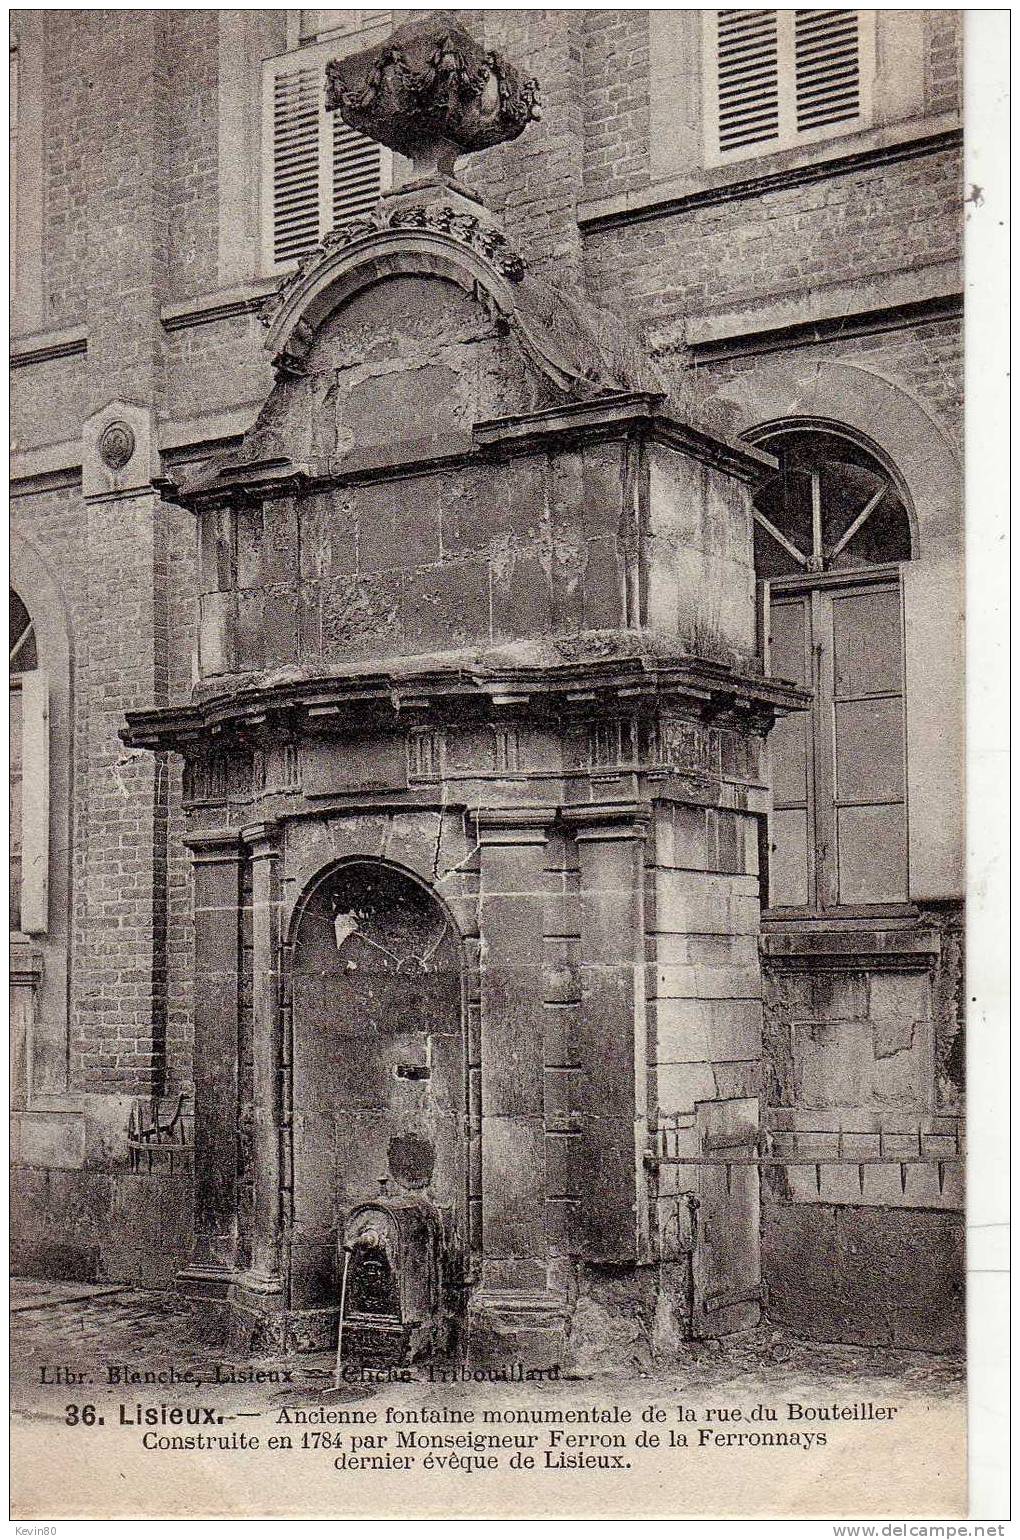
(828, 74)
(775, 77)
(868, 740)
(791, 825)
(357, 179)
(297, 106)
(747, 62)
(35, 803)
(320, 172)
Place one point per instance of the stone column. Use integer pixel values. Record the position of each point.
(217, 862)
(611, 1036)
(263, 1277)
(513, 1314)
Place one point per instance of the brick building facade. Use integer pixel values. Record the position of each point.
(344, 544)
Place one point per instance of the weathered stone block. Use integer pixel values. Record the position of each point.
(513, 1217)
(902, 996)
(562, 977)
(51, 1139)
(602, 503)
(216, 621)
(682, 1085)
(603, 602)
(522, 600)
(361, 616)
(834, 1063)
(714, 1031)
(446, 606)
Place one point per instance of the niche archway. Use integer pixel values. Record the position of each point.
(378, 1060)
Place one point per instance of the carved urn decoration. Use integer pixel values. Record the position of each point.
(431, 92)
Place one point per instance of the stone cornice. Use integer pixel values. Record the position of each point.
(41, 347)
(218, 305)
(608, 821)
(514, 825)
(214, 846)
(645, 414)
(641, 411)
(583, 690)
(789, 168)
(875, 301)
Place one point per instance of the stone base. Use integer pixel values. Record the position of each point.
(201, 1280)
(877, 1277)
(246, 1311)
(516, 1328)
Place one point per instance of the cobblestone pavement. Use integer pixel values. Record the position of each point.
(87, 1330)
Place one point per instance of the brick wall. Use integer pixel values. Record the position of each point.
(192, 152)
(535, 182)
(182, 582)
(869, 220)
(944, 62)
(68, 87)
(616, 102)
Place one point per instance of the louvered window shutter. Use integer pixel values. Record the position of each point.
(827, 67)
(295, 159)
(357, 178)
(778, 76)
(748, 78)
(319, 172)
(35, 803)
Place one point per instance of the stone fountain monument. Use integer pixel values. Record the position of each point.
(474, 784)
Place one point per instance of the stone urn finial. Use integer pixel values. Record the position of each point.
(431, 92)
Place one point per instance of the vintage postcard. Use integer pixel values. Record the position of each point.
(487, 764)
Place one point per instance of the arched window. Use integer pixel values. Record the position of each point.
(830, 532)
(29, 775)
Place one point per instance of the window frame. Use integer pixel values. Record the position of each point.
(788, 136)
(34, 767)
(818, 588)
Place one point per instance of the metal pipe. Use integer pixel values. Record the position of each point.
(340, 1325)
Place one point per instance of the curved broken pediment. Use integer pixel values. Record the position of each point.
(404, 330)
(457, 459)
(581, 350)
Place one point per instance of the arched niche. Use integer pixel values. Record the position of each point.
(378, 1062)
(906, 436)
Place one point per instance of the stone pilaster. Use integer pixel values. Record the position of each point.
(610, 1045)
(263, 1277)
(217, 860)
(513, 1315)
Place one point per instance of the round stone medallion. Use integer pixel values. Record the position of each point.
(116, 445)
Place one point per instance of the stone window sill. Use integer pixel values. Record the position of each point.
(895, 939)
